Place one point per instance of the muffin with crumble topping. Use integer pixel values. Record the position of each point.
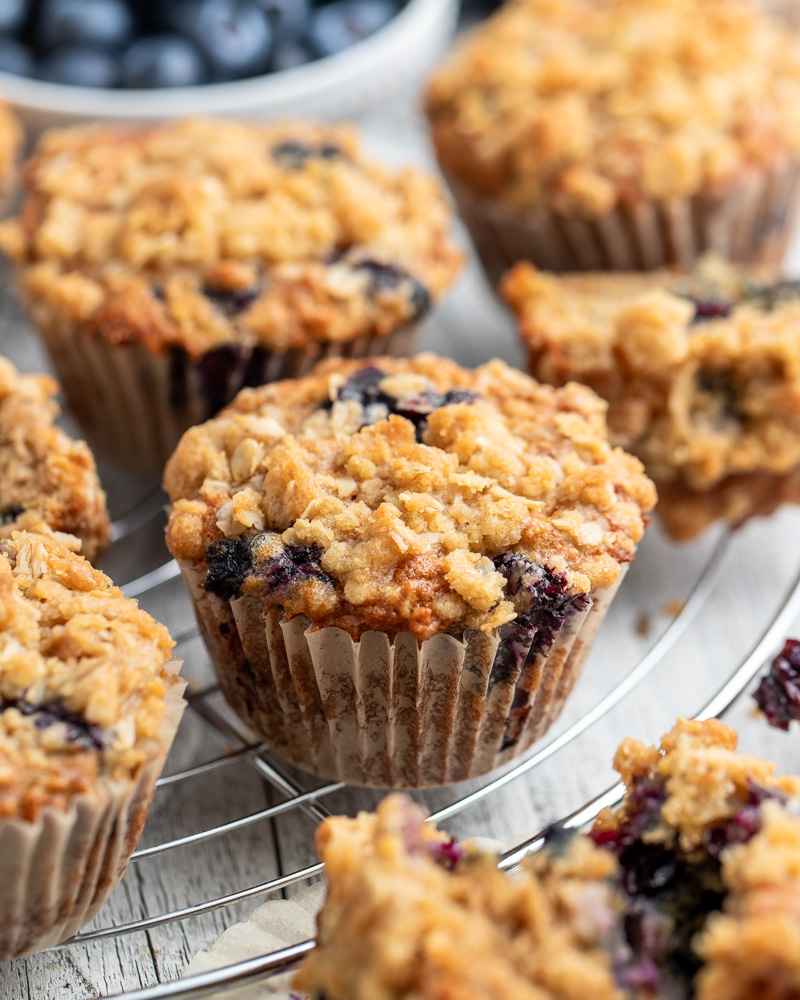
(45, 476)
(166, 267)
(690, 889)
(701, 373)
(89, 703)
(399, 565)
(622, 134)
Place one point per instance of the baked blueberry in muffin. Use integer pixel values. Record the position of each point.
(399, 565)
(701, 373)
(89, 704)
(688, 890)
(166, 267)
(45, 477)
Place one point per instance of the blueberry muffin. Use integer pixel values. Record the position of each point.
(689, 890)
(45, 476)
(166, 267)
(622, 134)
(89, 704)
(701, 373)
(399, 566)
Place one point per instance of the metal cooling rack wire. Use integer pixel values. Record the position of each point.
(225, 979)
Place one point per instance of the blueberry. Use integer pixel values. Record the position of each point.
(12, 14)
(289, 19)
(79, 66)
(163, 61)
(10, 513)
(15, 58)
(778, 694)
(341, 24)
(289, 56)
(234, 35)
(107, 23)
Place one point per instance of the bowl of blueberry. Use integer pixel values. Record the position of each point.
(74, 60)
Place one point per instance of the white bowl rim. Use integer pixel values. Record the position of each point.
(231, 97)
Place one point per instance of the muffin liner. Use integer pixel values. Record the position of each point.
(57, 872)
(750, 223)
(134, 405)
(383, 714)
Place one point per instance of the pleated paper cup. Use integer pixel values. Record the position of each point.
(58, 871)
(749, 223)
(391, 714)
(134, 405)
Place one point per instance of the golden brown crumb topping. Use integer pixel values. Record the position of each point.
(705, 780)
(83, 675)
(210, 233)
(397, 924)
(44, 475)
(582, 104)
(702, 374)
(406, 495)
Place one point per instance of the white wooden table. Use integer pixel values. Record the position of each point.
(760, 563)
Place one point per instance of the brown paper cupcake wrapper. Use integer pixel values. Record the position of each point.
(750, 223)
(382, 714)
(56, 872)
(134, 405)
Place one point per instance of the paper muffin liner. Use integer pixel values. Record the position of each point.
(391, 714)
(749, 223)
(57, 872)
(134, 405)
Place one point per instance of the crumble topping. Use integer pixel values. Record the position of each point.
(579, 105)
(702, 373)
(408, 495)
(398, 923)
(204, 233)
(83, 674)
(44, 474)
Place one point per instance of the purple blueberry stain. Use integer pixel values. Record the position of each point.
(778, 694)
(233, 561)
(447, 853)
(710, 309)
(78, 730)
(296, 562)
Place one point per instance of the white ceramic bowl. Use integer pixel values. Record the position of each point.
(345, 85)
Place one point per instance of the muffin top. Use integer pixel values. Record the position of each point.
(44, 474)
(211, 233)
(702, 371)
(580, 105)
(83, 677)
(407, 495)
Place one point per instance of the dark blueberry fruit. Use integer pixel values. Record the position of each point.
(290, 55)
(707, 309)
(10, 513)
(220, 371)
(106, 23)
(15, 58)
(289, 19)
(12, 14)
(557, 839)
(294, 563)
(293, 155)
(163, 61)
(778, 694)
(234, 35)
(79, 66)
(342, 23)
(232, 301)
(230, 563)
(388, 277)
(447, 853)
(79, 730)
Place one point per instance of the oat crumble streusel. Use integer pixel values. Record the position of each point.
(701, 372)
(406, 495)
(44, 474)
(202, 234)
(83, 677)
(582, 105)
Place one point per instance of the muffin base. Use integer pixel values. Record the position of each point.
(749, 223)
(134, 405)
(381, 714)
(57, 872)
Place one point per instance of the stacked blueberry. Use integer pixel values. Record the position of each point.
(177, 43)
